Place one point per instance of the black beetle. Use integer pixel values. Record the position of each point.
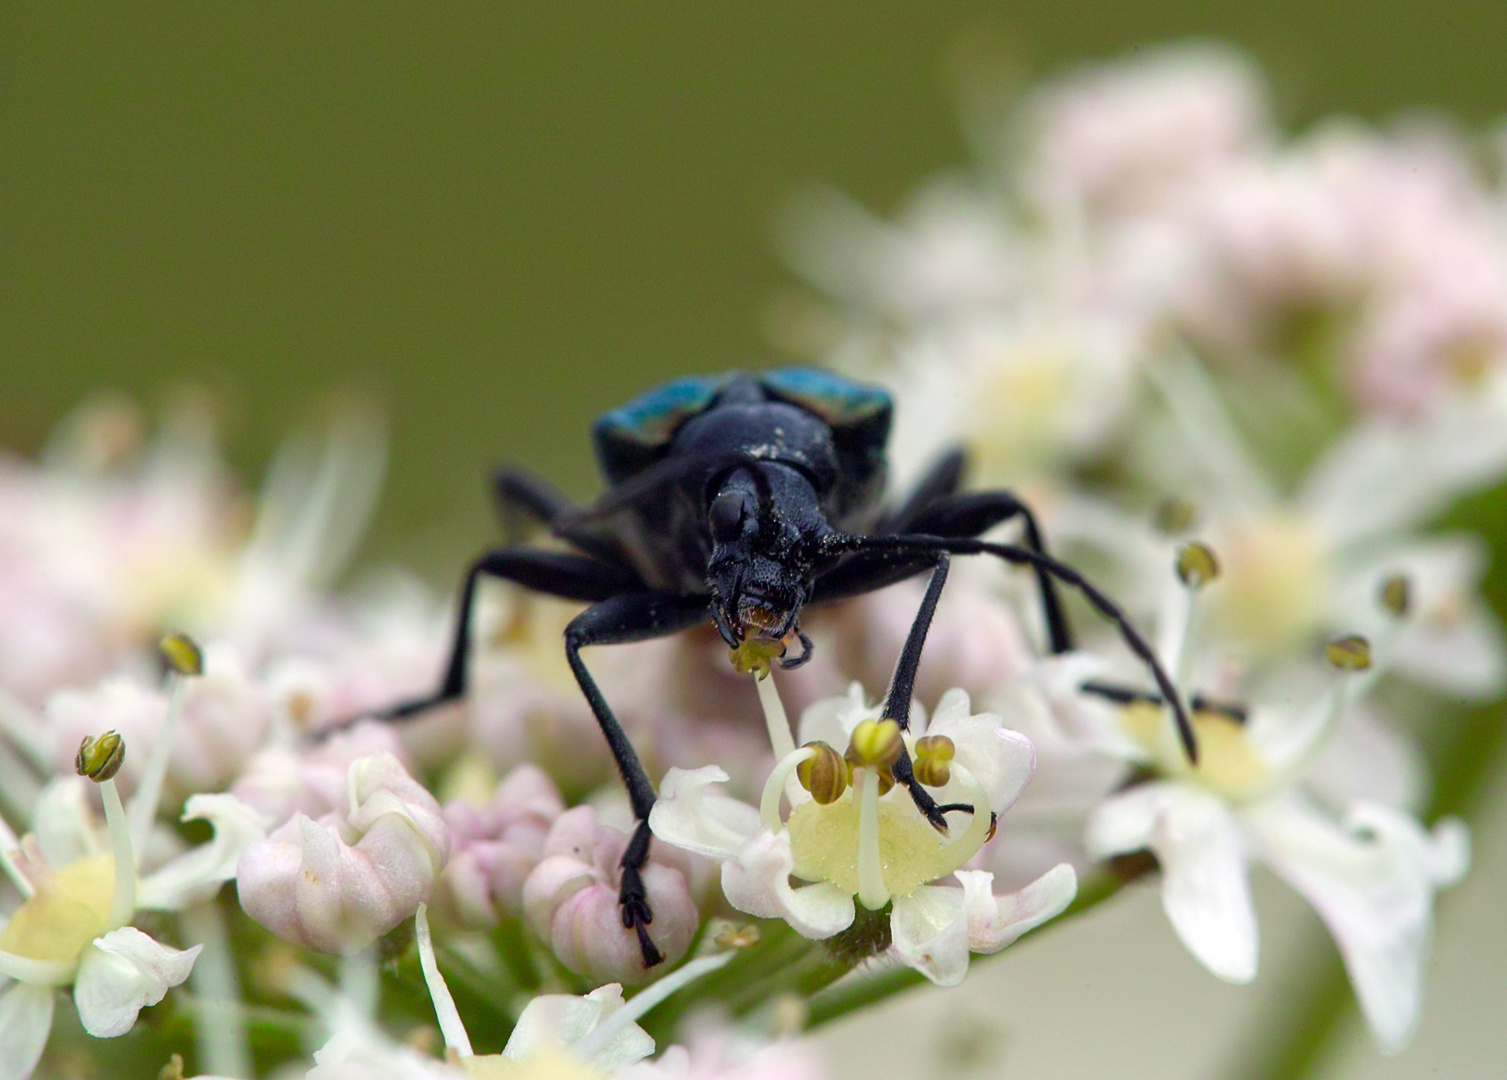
(741, 498)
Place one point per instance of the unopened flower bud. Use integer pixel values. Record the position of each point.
(824, 775)
(1350, 653)
(571, 899)
(933, 766)
(100, 759)
(496, 845)
(1196, 564)
(339, 883)
(182, 654)
(1397, 595)
(876, 744)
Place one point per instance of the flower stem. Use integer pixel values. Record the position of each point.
(855, 993)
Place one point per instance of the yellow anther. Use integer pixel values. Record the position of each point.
(1174, 516)
(100, 759)
(182, 654)
(1350, 653)
(1197, 564)
(824, 774)
(876, 744)
(934, 755)
(754, 654)
(1397, 595)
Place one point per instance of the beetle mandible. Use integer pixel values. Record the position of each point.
(742, 498)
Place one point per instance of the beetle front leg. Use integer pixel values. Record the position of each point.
(621, 619)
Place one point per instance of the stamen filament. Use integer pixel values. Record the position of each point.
(445, 1011)
(123, 899)
(872, 893)
(8, 845)
(965, 847)
(780, 738)
(774, 787)
(598, 1039)
(154, 773)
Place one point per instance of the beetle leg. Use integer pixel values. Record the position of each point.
(557, 573)
(632, 617)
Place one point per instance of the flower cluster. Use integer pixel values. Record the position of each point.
(1236, 375)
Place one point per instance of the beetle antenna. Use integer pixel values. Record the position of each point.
(1011, 553)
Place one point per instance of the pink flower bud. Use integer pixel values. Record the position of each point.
(338, 883)
(497, 845)
(282, 780)
(571, 901)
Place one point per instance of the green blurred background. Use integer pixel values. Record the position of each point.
(501, 219)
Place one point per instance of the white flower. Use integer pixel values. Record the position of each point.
(73, 927)
(1371, 875)
(851, 843)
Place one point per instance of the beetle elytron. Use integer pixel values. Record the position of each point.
(741, 498)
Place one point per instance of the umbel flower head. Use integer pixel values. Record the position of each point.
(870, 858)
(80, 896)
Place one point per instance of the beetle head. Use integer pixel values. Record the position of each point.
(763, 520)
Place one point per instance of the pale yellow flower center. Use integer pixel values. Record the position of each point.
(547, 1064)
(1273, 585)
(1228, 762)
(824, 842)
(1016, 410)
(70, 909)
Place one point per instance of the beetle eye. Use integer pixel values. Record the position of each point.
(726, 515)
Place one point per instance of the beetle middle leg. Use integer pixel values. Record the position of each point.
(619, 620)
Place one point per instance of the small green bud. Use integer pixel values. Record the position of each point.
(934, 754)
(825, 774)
(100, 759)
(1350, 653)
(1397, 595)
(1197, 564)
(182, 654)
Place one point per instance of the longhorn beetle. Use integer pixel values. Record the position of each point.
(742, 498)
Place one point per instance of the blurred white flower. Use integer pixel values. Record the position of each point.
(1371, 873)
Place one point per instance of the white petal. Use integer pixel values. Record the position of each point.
(122, 973)
(25, 1023)
(1205, 889)
(998, 758)
(630, 1044)
(196, 874)
(997, 921)
(1381, 476)
(560, 1021)
(1372, 881)
(929, 931)
(687, 816)
(758, 882)
(1368, 759)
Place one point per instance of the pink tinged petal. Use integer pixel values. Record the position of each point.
(758, 882)
(197, 874)
(587, 935)
(929, 930)
(122, 973)
(1205, 888)
(689, 817)
(25, 1023)
(997, 921)
(1372, 880)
